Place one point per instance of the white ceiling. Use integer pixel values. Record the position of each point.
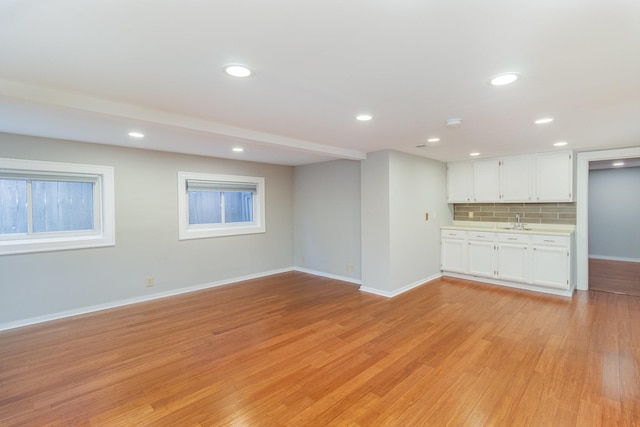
(94, 70)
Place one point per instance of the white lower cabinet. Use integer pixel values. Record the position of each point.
(551, 260)
(534, 260)
(481, 254)
(513, 257)
(453, 251)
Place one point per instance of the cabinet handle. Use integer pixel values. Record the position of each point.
(511, 238)
(550, 241)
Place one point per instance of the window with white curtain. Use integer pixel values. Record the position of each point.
(46, 206)
(213, 205)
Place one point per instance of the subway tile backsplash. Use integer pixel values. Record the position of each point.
(530, 213)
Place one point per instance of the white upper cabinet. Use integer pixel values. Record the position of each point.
(517, 179)
(554, 177)
(486, 181)
(459, 182)
(544, 177)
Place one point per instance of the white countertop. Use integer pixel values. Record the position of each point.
(504, 227)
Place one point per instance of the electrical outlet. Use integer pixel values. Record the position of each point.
(349, 267)
(149, 281)
(470, 214)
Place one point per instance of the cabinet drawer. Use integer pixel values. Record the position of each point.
(550, 240)
(513, 238)
(453, 234)
(481, 235)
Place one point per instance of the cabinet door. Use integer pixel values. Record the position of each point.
(453, 255)
(459, 176)
(550, 266)
(554, 177)
(517, 179)
(480, 261)
(486, 181)
(513, 260)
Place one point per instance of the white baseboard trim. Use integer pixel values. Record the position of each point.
(135, 300)
(614, 258)
(328, 275)
(391, 294)
(524, 286)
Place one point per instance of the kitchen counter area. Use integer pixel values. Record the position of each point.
(537, 257)
(550, 229)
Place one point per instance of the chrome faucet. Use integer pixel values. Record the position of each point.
(518, 224)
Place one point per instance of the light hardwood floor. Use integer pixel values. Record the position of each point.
(614, 276)
(299, 350)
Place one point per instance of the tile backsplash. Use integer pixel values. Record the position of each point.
(530, 213)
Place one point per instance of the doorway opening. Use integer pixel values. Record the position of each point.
(594, 239)
(614, 226)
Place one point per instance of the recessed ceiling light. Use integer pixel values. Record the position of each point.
(238, 149)
(544, 121)
(475, 153)
(560, 144)
(136, 134)
(433, 139)
(453, 123)
(237, 70)
(504, 79)
(618, 164)
(364, 117)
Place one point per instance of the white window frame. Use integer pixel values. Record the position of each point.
(103, 233)
(203, 231)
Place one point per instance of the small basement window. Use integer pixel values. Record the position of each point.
(47, 206)
(212, 205)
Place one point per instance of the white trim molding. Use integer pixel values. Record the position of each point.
(391, 294)
(514, 285)
(329, 275)
(614, 258)
(135, 300)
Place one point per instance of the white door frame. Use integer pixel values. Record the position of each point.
(582, 206)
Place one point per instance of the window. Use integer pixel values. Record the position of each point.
(219, 205)
(47, 206)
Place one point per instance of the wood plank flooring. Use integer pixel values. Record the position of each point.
(614, 276)
(299, 350)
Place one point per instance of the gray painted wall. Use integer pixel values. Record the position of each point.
(39, 284)
(417, 186)
(614, 213)
(400, 248)
(376, 243)
(326, 212)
